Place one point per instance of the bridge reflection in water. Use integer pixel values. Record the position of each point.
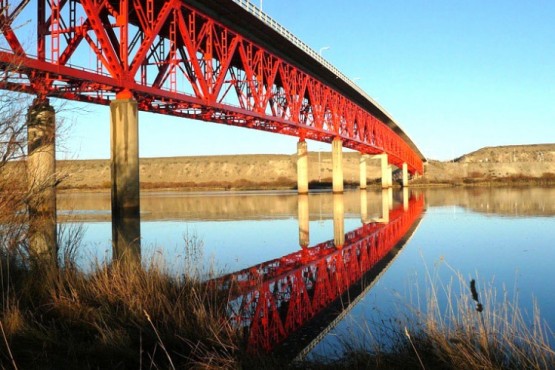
(286, 304)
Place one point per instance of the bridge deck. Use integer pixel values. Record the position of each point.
(263, 30)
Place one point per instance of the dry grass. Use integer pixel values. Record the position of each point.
(478, 328)
(547, 178)
(119, 316)
(127, 316)
(463, 325)
(240, 184)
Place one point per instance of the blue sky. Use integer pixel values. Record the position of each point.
(456, 75)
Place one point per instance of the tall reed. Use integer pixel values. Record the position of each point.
(462, 323)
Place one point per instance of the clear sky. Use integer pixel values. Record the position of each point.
(457, 75)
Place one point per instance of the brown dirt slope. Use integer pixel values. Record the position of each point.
(509, 164)
(511, 154)
(514, 163)
(231, 171)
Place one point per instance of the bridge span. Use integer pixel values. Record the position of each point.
(214, 60)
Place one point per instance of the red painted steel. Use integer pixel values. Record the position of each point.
(178, 61)
(274, 299)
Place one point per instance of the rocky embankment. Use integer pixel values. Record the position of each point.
(216, 172)
(506, 164)
(503, 164)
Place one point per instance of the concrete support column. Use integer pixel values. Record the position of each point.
(386, 170)
(363, 206)
(388, 176)
(363, 176)
(302, 167)
(338, 220)
(124, 137)
(41, 174)
(337, 165)
(386, 205)
(405, 175)
(405, 198)
(303, 217)
(390, 194)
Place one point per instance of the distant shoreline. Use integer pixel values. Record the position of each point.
(518, 165)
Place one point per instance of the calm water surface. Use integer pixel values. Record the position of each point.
(503, 237)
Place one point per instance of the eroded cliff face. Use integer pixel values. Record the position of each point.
(511, 163)
(524, 163)
(230, 171)
(511, 154)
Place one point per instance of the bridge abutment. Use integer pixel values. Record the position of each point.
(124, 137)
(337, 165)
(302, 167)
(41, 175)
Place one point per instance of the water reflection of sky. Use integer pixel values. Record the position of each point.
(226, 246)
(512, 254)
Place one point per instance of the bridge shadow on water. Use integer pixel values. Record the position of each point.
(287, 305)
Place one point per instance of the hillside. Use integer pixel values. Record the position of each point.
(511, 154)
(510, 164)
(513, 163)
(215, 172)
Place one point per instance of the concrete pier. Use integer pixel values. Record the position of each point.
(302, 167)
(363, 206)
(388, 175)
(338, 220)
(385, 169)
(124, 137)
(303, 218)
(363, 176)
(405, 175)
(387, 204)
(405, 198)
(337, 165)
(41, 174)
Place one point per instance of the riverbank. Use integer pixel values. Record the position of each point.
(503, 165)
(132, 316)
(229, 172)
(506, 165)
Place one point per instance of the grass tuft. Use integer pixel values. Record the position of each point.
(119, 315)
(463, 325)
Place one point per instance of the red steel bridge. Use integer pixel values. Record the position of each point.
(215, 60)
(274, 300)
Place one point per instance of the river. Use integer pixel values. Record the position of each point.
(376, 247)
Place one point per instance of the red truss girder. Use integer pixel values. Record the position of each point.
(277, 297)
(177, 61)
